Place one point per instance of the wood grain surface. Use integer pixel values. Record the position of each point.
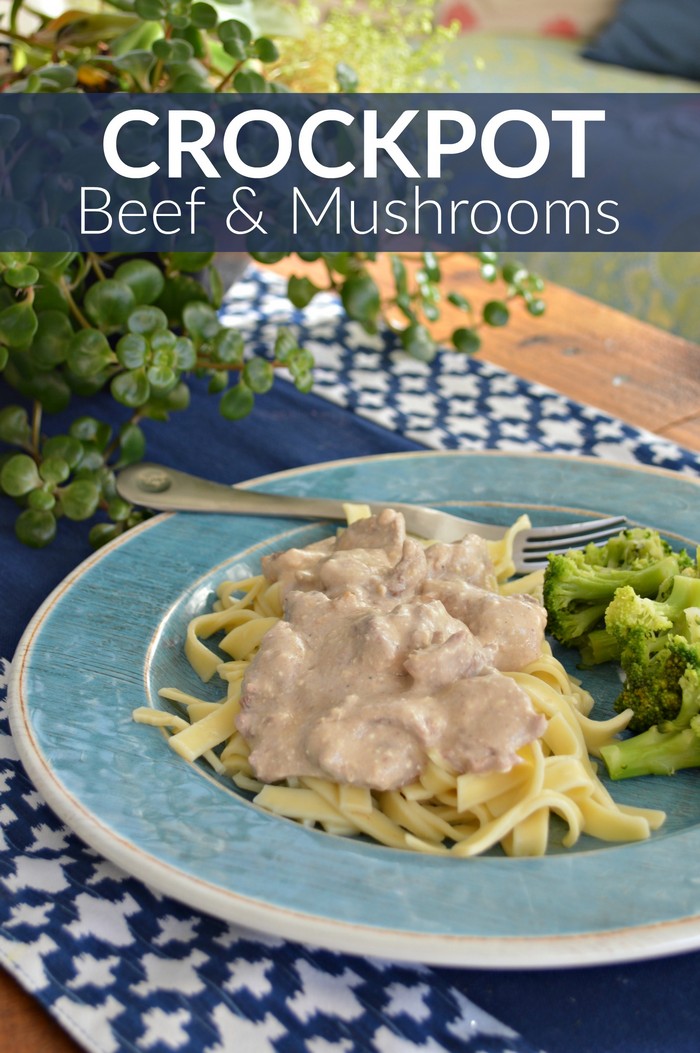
(581, 348)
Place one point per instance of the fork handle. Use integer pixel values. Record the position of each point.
(168, 490)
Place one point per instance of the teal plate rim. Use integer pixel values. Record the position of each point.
(123, 791)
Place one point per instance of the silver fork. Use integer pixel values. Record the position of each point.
(167, 490)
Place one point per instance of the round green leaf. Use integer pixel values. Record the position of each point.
(42, 500)
(91, 461)
(228, 347)
(536, 307)
(218, 382)
(109, 303)
(79, 500)
(201, 321)
(233, 29)
(15, 259)
(162, 341)
(14, 425)
(301, 361)
(54, 470)
(162, 379)
(269, 257)
(418, 343)
(181, 51)
(21, 277)
(266, 50)
(301, 290)
(35, 528)
(458, 300)
(101, 533)
(466, 340)
(58, 77)
(18, 324)
(88, 353)
(19, 475)
(145, 280)
(496, 313)
(190, 262)
(285, 345)
(162, 49)
(304, 381)
(177, 19)
(54, 263)
(203, 15)
(132, 444)
(192, 82)
(146, 320)
(49, 297)
(67, 447)
(360, 297)
(52, 340)
(259, 375)
(131, 388)
(90, 429)
(131, 350)
(514, 273)
(248, 82)
(150, 10)
(118, 509)
(237, 402)
(185, 354)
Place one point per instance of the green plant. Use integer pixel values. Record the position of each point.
(137, 328)
(73, 325)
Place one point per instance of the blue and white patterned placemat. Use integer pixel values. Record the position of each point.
(124, 968)
(455, 402)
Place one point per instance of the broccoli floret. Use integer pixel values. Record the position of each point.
(658, 640)
(665, 747)
(653, 667)
(677, 607)
(577, 592)
(634, 548)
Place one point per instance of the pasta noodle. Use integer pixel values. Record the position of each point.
(442, 812)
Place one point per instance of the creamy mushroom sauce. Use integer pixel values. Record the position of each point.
(389, 652)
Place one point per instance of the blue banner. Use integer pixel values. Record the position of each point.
(288, 172)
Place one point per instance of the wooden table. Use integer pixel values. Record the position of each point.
(581, 348)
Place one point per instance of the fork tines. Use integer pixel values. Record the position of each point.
(573, 535)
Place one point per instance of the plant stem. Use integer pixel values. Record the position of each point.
(75, 310)
(206, 363)
(224, 82)
(114, 444)
(36, 427)
(94, 260)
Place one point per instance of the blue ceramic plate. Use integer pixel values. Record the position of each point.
(111, 635)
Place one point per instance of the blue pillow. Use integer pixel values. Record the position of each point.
(658, 36)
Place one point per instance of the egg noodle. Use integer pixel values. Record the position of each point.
(443, 811)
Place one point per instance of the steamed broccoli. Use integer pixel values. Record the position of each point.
(598, 646)
(577, 591)
(633, 549)
(630, 613)
(658, 640)
(636, 602)
(665, 747)
(654, 667)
